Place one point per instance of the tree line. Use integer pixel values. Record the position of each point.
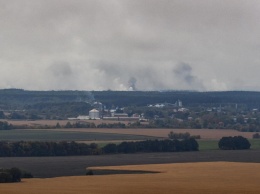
(153, 146)
(24, 149)
(12, 99)
(189, 98)
(34, 148)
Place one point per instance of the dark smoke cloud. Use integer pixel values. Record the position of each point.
(131, 83)
(61, 69)
(184, 73)
(61, 74)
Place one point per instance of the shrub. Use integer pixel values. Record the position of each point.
(110, 148)
(89, 172)
(27, 175)
(10, 175)
(173, 135)
(16, 174)
(5, 177)
(256, 136)
(186, 135)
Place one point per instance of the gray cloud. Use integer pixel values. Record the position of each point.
(61, 69)
(101, 44)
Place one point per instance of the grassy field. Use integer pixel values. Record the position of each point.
(213, 144)
(206, 177)
(255, 143)
(208, 145)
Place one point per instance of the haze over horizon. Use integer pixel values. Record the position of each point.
(202, 45)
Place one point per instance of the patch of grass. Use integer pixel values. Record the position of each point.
(255, 143)
(208, 144)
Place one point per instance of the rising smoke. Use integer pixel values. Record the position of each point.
(184, 73)
(131, 83)
(103, 43)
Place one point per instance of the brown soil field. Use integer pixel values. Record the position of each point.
(206, 177)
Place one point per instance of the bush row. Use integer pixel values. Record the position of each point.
(186, 135)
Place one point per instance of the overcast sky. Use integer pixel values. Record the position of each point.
(120, 44)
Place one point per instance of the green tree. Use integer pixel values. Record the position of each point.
(2, 115)
(233, 143)
(110, 148)
(16, 174)
(58, 126)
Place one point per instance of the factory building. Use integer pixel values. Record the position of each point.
(94, 114)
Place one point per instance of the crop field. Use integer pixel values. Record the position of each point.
(209, 134)
(204, 133)
(45, 167)
(101, 137)
(205, 177)
(70, 135)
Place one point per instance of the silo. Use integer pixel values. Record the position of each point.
(94, 114)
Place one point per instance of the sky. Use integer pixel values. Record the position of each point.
(203, 45)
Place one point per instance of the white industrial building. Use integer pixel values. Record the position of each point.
(178, 103)
(94, 114)
(82, 117)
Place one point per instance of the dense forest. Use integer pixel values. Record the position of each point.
(21, 99)
(189, 98)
